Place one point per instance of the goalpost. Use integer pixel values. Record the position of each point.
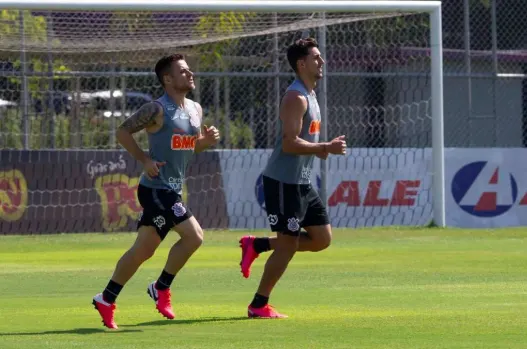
(70, 69)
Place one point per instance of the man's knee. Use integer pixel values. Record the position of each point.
(196, 239)
(146, 244)
(191, 233)
(286, 243)
(323, 243)
(321, 237)
(143, 253)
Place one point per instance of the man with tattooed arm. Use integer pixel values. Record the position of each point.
(173, 125)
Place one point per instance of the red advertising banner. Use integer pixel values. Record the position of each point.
(46, 192)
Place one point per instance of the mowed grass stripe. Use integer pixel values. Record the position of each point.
(374, 288)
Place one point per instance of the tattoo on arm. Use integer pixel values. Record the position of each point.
(144, 117)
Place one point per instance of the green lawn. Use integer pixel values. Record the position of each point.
(373, 288)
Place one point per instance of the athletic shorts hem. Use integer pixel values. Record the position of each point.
(162, 209)
(292, 206)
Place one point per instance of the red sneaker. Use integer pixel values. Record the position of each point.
(248, 254)
(162, 299)
(106, 310)
(266, 312)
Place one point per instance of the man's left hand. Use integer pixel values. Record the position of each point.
(211, 135)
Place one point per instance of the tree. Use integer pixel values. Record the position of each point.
(35, 33)
(210, 56)
(485, 3)
(211, 25)
(131, 22)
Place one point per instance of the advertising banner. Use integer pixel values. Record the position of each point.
(93, 191)
(44, 192)
(366, 187)
(486, 187)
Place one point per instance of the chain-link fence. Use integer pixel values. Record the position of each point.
(68, 79)
(71, 88)
(486, 42)
(75, 76)
(55, 83)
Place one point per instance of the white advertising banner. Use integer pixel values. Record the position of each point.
(367, 187)
(486, 187)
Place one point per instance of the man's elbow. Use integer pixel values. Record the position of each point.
(288, 146)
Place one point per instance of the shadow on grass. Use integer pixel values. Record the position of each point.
(72, 331)
(124, 329)
(188, 321)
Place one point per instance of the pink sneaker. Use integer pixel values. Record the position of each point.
(106, 310)
(266, 312)
(248, 254)
(162, 300)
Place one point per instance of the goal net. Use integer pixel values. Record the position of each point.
(69, 78)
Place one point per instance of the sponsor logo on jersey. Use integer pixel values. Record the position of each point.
(180, 142)
(314, 127)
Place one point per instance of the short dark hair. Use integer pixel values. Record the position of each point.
(164, 64)
(299, 50)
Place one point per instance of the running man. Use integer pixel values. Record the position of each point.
(291, 201)
(173, 124)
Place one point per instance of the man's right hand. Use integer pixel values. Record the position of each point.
(151, 167)
(337, 146)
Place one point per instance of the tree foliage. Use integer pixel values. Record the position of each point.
(211, 56)
(35, 33)
(131, 22)
(223, 24)
(35, 26)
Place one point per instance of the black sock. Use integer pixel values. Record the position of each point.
(261, 245)
(111, 291)
(259, 301)
(164, 281)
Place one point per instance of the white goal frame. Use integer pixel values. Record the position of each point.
(433, 8)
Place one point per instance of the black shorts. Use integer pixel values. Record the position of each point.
(162, 209)
(292, 206)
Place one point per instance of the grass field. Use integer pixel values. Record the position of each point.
(380, 288)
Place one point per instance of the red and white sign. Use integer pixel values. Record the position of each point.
(486, 188)
(367, 187)
(348, 193)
